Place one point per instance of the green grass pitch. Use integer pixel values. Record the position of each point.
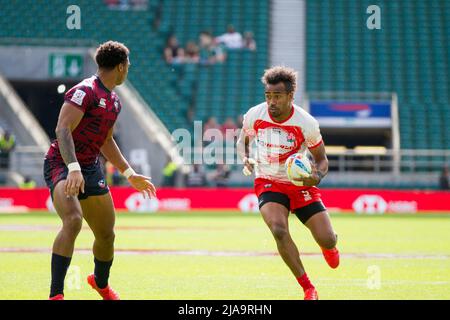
(233, 256)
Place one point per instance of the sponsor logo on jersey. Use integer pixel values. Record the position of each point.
(291, 137)
(102, 103)
(274, 145)
(102, 184)
(277, 130)
(78, 97)
(276, 138)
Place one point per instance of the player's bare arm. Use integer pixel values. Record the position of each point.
(319, 166)
(69, 118)
(243, 150)
(113, 154)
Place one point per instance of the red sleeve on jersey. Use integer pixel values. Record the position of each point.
(316, 145)
(79, 96)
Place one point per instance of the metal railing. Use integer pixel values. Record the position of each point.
(349, 167)
(410, 161)
(28, 161)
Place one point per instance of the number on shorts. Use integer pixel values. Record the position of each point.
(306, 195)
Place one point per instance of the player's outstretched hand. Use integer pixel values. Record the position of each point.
(313, 179)
(74, 184)
(142, 184)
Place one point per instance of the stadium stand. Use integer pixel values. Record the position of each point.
(408, 55)
(226, 89)
(220, 89)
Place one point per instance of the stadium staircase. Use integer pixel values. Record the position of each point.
(31, 141)
(288, 47)
(148, 72)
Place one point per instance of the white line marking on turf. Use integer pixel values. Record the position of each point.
(13, 227)
(363, 282)
(234, 253)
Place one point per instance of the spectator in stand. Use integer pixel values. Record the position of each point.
(27, 183)
(208, 134)
(7, 144)
(196, 177)
(192, 53)
(113, 176)
(444, 183)
(231, 39)
(240, 120)
(169, 173)
(112, 3)
(230, 134)
(173, 53)
(249, 41)
(210, 51)
(212, 136)
(211, 123)
(221, 176)
(127, 4)
(229, 125)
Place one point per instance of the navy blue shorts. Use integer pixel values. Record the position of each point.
(94, 178)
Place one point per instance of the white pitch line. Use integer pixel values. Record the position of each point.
(13, 227)
(233, 253)
(363, 282)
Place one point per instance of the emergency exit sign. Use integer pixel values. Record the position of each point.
(65, 65)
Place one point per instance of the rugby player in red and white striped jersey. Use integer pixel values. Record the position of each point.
(279, 129)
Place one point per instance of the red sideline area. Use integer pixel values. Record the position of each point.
(366, 201)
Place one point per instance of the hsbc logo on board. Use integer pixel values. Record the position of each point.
(136, 202)
(375, 204)
(249, 203)
(371, 204)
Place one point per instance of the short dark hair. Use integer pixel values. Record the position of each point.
(110, 54)
(279, 74)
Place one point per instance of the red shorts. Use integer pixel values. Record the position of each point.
(299, 197)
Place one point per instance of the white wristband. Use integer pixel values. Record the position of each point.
(129, 172)
(74, 166)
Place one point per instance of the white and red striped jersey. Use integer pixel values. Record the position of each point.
(276, 141)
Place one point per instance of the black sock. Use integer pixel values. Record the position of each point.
(101, 272)
(60, 265)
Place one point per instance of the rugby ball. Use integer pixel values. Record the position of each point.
(297, 167)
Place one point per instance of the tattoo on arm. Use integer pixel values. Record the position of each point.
(66, 145)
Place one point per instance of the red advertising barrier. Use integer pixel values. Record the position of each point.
(169, 199)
